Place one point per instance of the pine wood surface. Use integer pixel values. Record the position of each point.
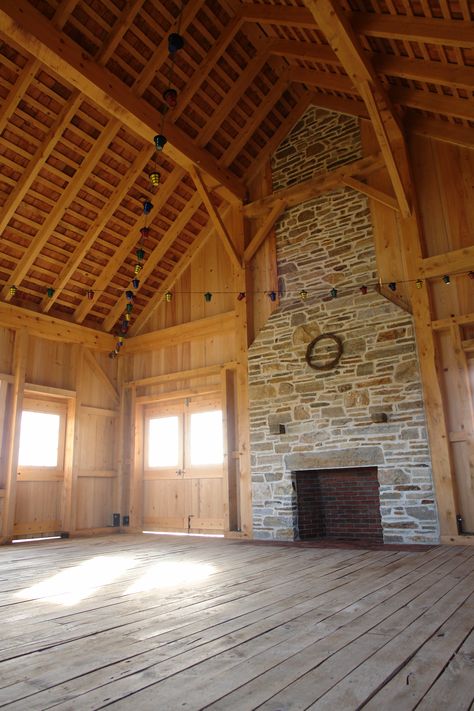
(269, 627)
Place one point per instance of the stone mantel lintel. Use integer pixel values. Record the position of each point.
(335, 458)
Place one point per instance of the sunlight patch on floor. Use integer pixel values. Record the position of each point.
(70, 586)
(168, 575)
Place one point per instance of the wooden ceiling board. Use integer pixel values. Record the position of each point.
(75, 185)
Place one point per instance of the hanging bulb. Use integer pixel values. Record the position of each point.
(120, 340)
(136, 283)
(418, 284)
(272, 295)
(129, 295)
(363, 289)
(90, 294)
(155, 177)
(127, 317)
(12, 290)
(119, 344)
(124, 326)
(392, 286)
(129, 307)
(170, 97)
(138, 268)
(241, 296)
(113, 354)
(144, 232)
(333, 292)
(160, 142)
(140, 253)
(303, 294)
(147, 207)
(207, 296)
(446, 279)
(168, 296)
(50, 292)
(175, 42)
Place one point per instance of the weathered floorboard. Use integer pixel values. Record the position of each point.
(162, 622)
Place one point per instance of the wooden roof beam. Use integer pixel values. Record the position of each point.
(160, 55)
(372, 193)
(94, 231)
(264, 108)
(454, 33)
(32, 31)
(261, 234)
(157, 255)
(219, 226)
(452, 75)
(53, 329)
(458, 260)
(168, 284)
(120, 254)
(332, 21)
(323, 80)
(39, 158)
(202, 72)
(436, 103)
(278, 15)
(350, 107)
(75, 185)
(440, 130)
(236, 91)
(183, 333)
(322, 182)
(285, 127)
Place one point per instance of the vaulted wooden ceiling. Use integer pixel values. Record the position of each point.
(81, 97)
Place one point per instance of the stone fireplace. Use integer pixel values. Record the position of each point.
(364, 413)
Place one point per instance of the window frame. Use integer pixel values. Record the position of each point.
(49, 406)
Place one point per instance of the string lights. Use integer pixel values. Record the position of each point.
(303, 294)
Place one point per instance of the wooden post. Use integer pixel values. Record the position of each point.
(71, 463)
(136, 473)
(231, 503)
(241, 351)
(69, 493)
(120, 441)
(17, 392)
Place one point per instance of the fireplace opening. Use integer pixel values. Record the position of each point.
(339, 505)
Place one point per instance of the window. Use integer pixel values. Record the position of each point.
(206, 438)
(179, 440)
(42, 437)
(39, 439)
(163, 442)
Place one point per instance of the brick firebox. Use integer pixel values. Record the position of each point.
(339, 504)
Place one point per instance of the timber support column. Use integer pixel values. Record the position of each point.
(241, 350)
(442, 465)
(16, 405)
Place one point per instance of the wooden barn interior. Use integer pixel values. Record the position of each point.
(237, 354)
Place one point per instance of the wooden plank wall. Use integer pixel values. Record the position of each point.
(439, 244)
(86, 381)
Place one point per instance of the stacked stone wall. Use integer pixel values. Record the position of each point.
(366, 411)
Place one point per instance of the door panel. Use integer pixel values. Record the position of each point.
(181, 491)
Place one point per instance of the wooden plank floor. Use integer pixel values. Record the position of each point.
(167, 623)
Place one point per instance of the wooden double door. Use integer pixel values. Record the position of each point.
(184, 473)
